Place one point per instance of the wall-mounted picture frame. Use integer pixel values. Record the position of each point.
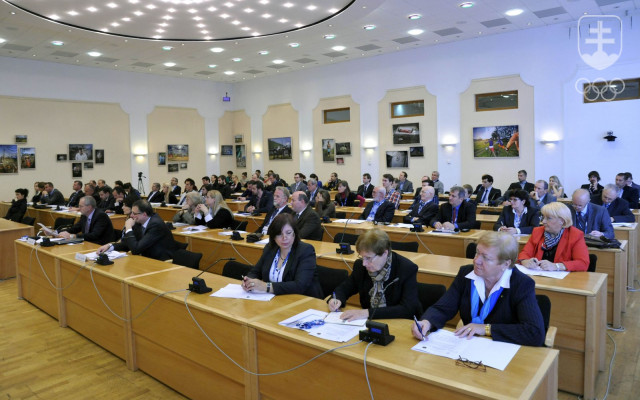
(9, 157)
(238, 138)
(340, 160)
(279, 148)
(343, 149)
(408, 133)
(183, 165)
(173, 167)
(76, 170)
(328, 150)
(81, 152)
(501, 141)
(27, 157)
(87, 165)
(226, 150)
(162, 158)
(398, 159)
(417, 151)
(21, 139)
(241, 156)
(61, 157)
(177, 152)
(100, 156)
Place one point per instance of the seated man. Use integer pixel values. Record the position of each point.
(457, 213)
(118, 198)
(423, 210)
(94, 226)
(540, 194)
(389, 185)
(522, 182)
(594, 188)
(379, 210)
(437, 183)
(312, 191)
(298, 185)
(145, 234)
(618, 208)
(366, 189)
(332, 184)
(74, 198)
(629, 193)
(485, 192)
(52, 196)
(404, 185)
(261, 201)
(588, 217)
(91, 190)
(156, 196)
(280, 199)
(307, 220)
(106, 199)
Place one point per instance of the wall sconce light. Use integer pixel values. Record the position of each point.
(139, 154)
(213, 154)
(549, 141)
(610, 137)
(448, 146)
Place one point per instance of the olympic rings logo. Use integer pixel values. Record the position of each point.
(600, 89)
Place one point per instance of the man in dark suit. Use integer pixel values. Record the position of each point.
(91, 190)
(594, 188)
(312, 191)
(175, 188)
(457, 213)
(77, 194)
(379, 210)
(298, 185)
(629, 178)
(404, 185)
(540, 195)
(118, 199)
(52, 196)
(307, 220)
(145, 234)
(423, 210)
(106, 199)
(629, 193)
(485, 192)
(280, 199)
(617, 208)
(94, 226)
(261, 200)
(366, 189)
(156, 196)
(588, 217)
(522, 182)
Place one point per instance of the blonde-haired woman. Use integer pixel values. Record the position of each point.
(555, 187)
(167, 194)
(188, 213)
(215, 212)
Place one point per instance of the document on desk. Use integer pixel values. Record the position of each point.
(349, 221)
(48, 231)
(329, 331)
(622, 224)
(539, 272)
(235, 291)
(229, 233)
(442, 232)
(444, 343)
(193, 229)
(111, 254)
(401, 225)
(334, 318)
(179, 224)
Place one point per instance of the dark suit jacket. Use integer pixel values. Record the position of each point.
(156, 242)
(493, 195)
(106, 204)
(619, 209)
(17, 210)
(406, 187)
(384, 213)
(466, 215)
(100, 229)
(55, 198)
(528, 221)
(528, 186)
(222, 219)
(630, 194)
(515, 318)
(597, 220)
(309, 225)
(402, 296)
(156, 197)
(300, 275)
(427, 213)
(177, 191)
(266, 202)
(74, 198)
(348, 202)
(571, 249)
(312, 196)
(267, 218)
(366, 194)
(597, 192)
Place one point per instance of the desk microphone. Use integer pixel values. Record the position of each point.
(346, 222)
(199, 286)
(377, 332)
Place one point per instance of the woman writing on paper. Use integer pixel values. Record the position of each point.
(215, 212)
(493, 298)
(517, 218)
(385, 281)
(287, 265)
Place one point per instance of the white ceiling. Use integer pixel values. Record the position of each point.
(28, 36)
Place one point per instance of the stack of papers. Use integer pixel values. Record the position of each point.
(401, 225)
(349, 221)
(194, 229)
(338, 332)
(623, 224)
(539, 272)
(111, 254)
(442, 231)
(235, 291)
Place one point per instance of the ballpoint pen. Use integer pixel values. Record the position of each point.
(419, 329)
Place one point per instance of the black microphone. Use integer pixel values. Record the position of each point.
(199, 286)
(383, 290)
(377, 332)
(343, 244)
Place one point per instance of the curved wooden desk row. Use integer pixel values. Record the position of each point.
(157, 335)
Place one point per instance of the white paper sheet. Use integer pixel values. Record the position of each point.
(442, 232)
(111, 254)
(229, 233)
(349, 221)
(193, 229)
(328, 331)
(622, 224)
(401, 225)
(179, 224)
(334, 318)
(539, 272)
(235, 291)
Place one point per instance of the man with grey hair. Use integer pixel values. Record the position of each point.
(590, 218)
(540, 194)
(457, 213)
(618, 208)
(94, 226)
(280, 199)
(425, 209)
(435, 177)
(312, 191)
(380, 209)
(307, 220)
(156, 196)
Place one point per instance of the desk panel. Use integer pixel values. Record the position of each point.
(10, 231)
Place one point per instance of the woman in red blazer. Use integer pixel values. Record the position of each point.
(556, 245)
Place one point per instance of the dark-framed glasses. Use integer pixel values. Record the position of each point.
(471, 364)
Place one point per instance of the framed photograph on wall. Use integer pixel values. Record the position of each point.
(61, 157)
(21, 139)
(417, 151)
(226, 150)
(241, 156)
(88, 165)
(496, 141)
(279, 148)
(100, 156)
(397, 159)
(343, 149)
(406, 133)
(27, 157)
(328, 150)
(178, 152)
(173, 167)
(340, 160)
(183, 165)
(9, 157)
(162, 158)
(81, 152)
(76, 170)
(238, 138)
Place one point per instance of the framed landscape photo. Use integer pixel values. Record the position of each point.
(88, 165)
(162, 158)
(343, 149)
(8, 158)
(173, 167)
(238, 138)
(178, 152)
(328, 150)
(100, 156)
(397, 159)
(226, 150)
(417, 151)
(406, 133)
(61, 157)
(496, 141)
(21, 139)
(27, 157)
(81, 152)
(280, 148)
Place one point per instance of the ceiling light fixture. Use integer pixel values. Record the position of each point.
(263, 52)
(338, 48)
(369, 27)
(329, 36)
(466, 4)
(55, 42)
(212, 65)
(278, 61)
(94, 54)
(167, 48)
(311, 7)
(237, 59)
(514, 12)
(229, 72)
(414, 32)
(414, 16)
(169, 64)
(294, 45)
(217, 49)
(288, 5)
(92, 9)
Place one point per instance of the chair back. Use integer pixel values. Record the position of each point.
(62, 222)
(345, 238)
(235, 270)
(490, 212)
(240, 225)
(330, 278)
(181, 245)
(405, 246)
(471, 250)
(545, 308)
(341, 214)
(28, 220)
(593, 260)
(429, 294)
(187, 258)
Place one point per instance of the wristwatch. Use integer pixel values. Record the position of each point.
(487, 330)
(268, 287)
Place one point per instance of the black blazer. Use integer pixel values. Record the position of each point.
(156, 242)
(267, 219)
(528, 221)
(300, 275)
(348, 202)
(74, 198)
(177, 191)
(528, 186)
(156, 197)
(597, 192)
(630, 194)
(266, 202)
(36, 197)
(516, 317)
(222, 219)
(384, 213)
(55, 198)
(17, 210)
(466, 215)
(427, 213)
(367, 194)
(618, 209)
(106, 204)
(100, 229)
(402, 296)
(235, 188)
(494, 194)
(309, 225)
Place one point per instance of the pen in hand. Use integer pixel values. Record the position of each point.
(419, 328)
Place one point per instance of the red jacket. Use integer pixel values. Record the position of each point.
(572, 250)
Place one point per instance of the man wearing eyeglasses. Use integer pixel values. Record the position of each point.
(145, 234)
(590, 218)
(94, 226)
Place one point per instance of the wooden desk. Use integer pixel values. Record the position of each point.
(166, 213)
(630, 234)
(10, 231)
(487, 221)
(395, 371)
(236, 205)
(356, 212)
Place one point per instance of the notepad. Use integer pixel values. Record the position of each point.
(539, 272)
(235, 291)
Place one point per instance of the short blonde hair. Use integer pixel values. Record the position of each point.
(506, 244)
(220, 203)
(558, 210)
(374, 240)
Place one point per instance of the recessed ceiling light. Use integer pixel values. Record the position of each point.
(237, 59)
(414, 16)
(245, 28)
(126, 19)
(151, 6)
(201, 25)
(225, 16)
(217, 49)
(55, 42)
(288, 5)
(134, 1)
(236, 22)
(92, 9)
(369, 27)
(266, 15)
(264, 2)
(94, 54)
(172, 10)
(466, 4)
(72, 13)
(139, 13)
(263, 52)
(333, 10)
(54, 16)
(192, 10)
(248, 10)
(338, 48)
(514, 12)
(212, 65)
(294, 45)
(212, 9)
(229, 72)
(255, 33)
(196, 18)
(414, 32)
(298, 25)
(114, 24)
(329, 36)
(311, 7)
(169, 64)
(167, 48)
(229, 4)
(112, 5)
(283, 20)
(278, 61)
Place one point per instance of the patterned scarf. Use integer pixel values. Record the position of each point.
(376, 293)
(551, 241)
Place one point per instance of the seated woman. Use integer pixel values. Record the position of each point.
(235, 185)
(188, 213)
(287, 265)
(373, 276)
(555, 187)
(38, 188)
(493, 298)
(518, 217)
(18, 206)
(215, 212)
(324, 205)
(345, 197)
(556, 245)
(168, 196)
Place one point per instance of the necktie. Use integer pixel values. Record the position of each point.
(484, 196)
(420, 208)
(86, 228)
(455, 215)
(582, 223)
(607, 205)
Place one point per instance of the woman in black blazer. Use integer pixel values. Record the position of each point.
(374, 278)
(235, 184)
(167, 194)
(215, 212)
(18, 206)
(344, 197)
(529, 217)
(287, 265)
